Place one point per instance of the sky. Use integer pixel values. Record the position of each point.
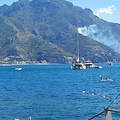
(108, 10)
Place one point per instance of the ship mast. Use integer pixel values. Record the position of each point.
(78, 60)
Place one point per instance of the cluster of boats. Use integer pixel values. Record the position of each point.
(82, 66)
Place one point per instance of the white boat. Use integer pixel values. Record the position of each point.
(18, 68)
(88, 63)
(78, 64)
(106, 79)
(100, 67)
(110, 63)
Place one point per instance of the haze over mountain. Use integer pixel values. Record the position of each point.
(38, 30)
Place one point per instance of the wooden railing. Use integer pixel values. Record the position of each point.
(107, 111)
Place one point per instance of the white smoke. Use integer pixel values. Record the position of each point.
(102, 36)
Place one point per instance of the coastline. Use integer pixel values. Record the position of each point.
(2, 63)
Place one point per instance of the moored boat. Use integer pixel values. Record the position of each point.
(100, 67)
(110, 63)
(106, 79)
(78, 64)
(88, 63)
(18, 68)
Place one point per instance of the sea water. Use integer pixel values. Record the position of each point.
(55, 92)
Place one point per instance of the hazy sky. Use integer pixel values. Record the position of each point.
(106, 9)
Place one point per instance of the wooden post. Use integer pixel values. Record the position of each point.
(108, 115)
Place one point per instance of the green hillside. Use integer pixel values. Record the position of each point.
(41, 30)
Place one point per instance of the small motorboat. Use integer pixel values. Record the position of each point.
(106, 79)
(18, 68)
(110, 63)
(100, 67)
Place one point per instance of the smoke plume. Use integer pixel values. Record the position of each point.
(102, 36)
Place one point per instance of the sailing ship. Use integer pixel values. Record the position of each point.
(78, 64)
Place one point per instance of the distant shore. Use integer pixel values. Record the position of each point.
(24, 64)
(3, 63)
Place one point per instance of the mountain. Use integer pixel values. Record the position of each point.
(46, 30)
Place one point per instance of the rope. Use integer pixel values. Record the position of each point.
(96, 115)
(113, 101)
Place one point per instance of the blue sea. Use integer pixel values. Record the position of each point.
(55, 92)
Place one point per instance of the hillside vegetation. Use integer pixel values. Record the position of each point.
(41, 30)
